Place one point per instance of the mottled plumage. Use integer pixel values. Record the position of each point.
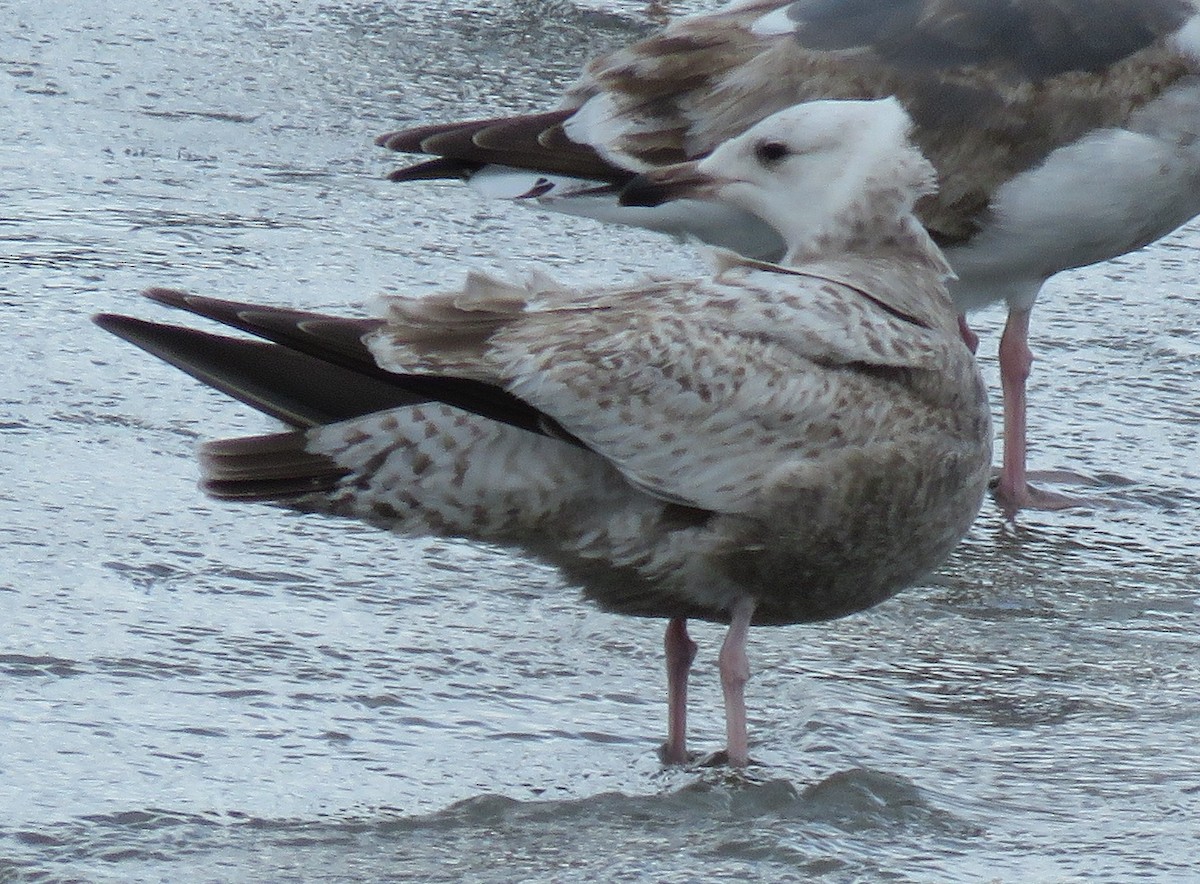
(775, 444)
(1064, 132)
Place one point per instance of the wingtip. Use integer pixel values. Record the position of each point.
(167, 297)
(119, 324)
(440, 169)
(217, 309)
(410, 140)
(113, 323)
(142, 333)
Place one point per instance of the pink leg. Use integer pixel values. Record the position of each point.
(735, 672)
(1013, 491)
(1016, 360)
(681, 651)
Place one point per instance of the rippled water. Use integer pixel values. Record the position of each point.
(199, 692)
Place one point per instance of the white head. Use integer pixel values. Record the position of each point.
(824, 174)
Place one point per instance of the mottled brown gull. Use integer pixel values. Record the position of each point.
(772, 444)
(1064, 132)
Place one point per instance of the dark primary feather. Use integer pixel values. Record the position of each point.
(464, 147)
(440, 169)
(330, 341)
(316, 371)
(298, 389)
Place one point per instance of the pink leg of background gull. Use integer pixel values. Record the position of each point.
(1012, 489)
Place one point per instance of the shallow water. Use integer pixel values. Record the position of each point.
(191, 691)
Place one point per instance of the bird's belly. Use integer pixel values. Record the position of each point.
(1112, 191)
(834, 554)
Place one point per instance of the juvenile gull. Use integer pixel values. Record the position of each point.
(775, 444)
(1064, 133)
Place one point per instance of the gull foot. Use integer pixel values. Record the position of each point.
(671, 759)
(1026, 496)
(720, 758)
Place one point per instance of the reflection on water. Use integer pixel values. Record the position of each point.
(210, 692)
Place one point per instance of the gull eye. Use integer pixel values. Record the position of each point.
(770, 152)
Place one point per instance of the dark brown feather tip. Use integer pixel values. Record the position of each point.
(441, 169)
(270, 467)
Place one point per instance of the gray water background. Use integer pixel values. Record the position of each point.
(202, 692)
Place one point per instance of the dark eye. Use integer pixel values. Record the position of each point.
(770, 152)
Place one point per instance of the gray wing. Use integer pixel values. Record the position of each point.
(1031, 39)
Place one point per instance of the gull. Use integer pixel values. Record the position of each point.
(1064, 132)
(770, 444)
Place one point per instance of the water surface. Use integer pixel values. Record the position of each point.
(191, 691)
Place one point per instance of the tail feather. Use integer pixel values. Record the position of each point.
(272, 467)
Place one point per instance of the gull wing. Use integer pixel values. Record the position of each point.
(993, 87)
(694, 390)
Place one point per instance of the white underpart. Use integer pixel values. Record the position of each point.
(508, 182)
(1187, 39)
(601, 124)
(1112, 191)
(723, 225)
(774, 23)
(711, 222)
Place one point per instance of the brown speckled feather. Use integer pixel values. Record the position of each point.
(716, 415)
(993, 88)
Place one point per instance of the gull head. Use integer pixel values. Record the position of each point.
(825, 175)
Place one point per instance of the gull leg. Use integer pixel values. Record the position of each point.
(735, 672)
(681, 651)
(1012, 488)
